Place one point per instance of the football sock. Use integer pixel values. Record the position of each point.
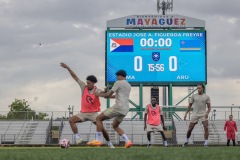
(124, 136)
(187, 140)
(109, 143)
(99, 136)
(77, 136)
(149, 142)
(206, 142)
(165, 143)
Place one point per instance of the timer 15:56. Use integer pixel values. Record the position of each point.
(155, 67)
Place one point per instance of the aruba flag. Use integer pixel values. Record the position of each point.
(121, 45)
(190, 46)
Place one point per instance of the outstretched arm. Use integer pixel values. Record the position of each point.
(74, 76)
(105, 94)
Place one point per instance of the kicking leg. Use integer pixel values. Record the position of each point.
(73, 123)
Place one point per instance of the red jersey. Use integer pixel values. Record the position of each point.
(230, 126)
(90, 102)
(154, 115)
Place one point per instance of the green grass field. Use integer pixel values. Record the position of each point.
(119, 153)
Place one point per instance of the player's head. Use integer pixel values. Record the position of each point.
(91, 80)
(200, 88)
(154, 101)
(231, 117)
(121, 74)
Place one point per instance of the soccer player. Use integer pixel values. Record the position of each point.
(153, 122)
(118, 111)
(90, 105)
(199, 102)
(231, 127)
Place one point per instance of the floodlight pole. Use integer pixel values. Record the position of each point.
(164, 6)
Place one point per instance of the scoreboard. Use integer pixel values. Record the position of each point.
(157, 57)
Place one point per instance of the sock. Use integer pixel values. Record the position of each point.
(149, 142)
(165, 143)
(124, 136)
(109, 143)
(99, 136)
(77, 136)
(206, 142)
(187, 140)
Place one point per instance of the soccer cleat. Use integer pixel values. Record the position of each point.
(185, 144)
(149, 146)
(95, 143)
(79, 141)
(111, 146)
(128, 144)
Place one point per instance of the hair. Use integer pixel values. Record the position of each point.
(121, 73)
(230, 115)
(92, 78)
(202, 86)
(155, 98)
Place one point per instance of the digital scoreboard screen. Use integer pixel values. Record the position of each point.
(155, 57)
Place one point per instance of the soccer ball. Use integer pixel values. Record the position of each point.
(64, 143)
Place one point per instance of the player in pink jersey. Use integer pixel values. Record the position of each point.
(231, 128)
(153, 120)
(90, 105)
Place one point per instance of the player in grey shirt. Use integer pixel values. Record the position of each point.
(199, 102)
(118, 111)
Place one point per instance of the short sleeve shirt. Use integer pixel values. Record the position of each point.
(122, 89)
(199, 104)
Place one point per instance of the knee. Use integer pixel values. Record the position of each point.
(206, 129)
(190, 129)
(99, 118)
(114, 126)
(71, 121)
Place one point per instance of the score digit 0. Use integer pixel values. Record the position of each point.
(138, 63)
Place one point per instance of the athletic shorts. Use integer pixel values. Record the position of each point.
(112, 113)
(231, 135)
(84, 116)
(195, 118)
(154, 128)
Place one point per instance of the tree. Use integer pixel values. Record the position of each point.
(19, 109)
(3, 116)
(41, 115)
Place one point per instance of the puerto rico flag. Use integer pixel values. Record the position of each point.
(190, 46)
(121, 45)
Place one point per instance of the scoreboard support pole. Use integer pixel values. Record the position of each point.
(139, 108)
(170, 103)
(141, 101)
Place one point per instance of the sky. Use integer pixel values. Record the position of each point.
(35, 36)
